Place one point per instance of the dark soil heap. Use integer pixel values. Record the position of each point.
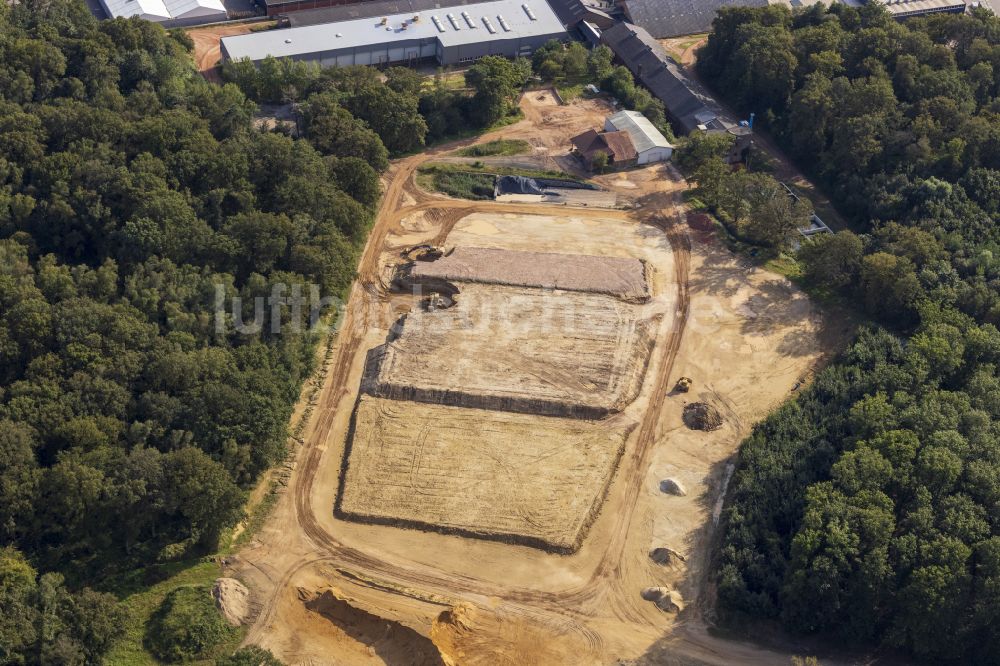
(702, 416)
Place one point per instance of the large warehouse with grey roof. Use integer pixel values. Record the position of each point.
(450, 36)
(671, 18)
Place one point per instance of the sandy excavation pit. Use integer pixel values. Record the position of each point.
(518, 478)
(614, 276)
(522, 350)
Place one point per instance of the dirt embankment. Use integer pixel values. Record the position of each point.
(385, 641)
(613, 276)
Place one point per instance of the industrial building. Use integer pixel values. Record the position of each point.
(673, 18)
(650, 144)
(169, 13)
(687, 107)
(901, 9)
(450, 36)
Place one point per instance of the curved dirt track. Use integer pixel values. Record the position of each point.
(208, 46)
(568, 612)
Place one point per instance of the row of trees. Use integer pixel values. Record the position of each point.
(755, 207)
(397, 105)
(869, 508)
(556, 61)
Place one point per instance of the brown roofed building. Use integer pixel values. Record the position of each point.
(616, 145)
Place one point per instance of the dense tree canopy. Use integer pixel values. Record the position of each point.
(556, 61)
(134, 197)
(869, 508)
(345, 109)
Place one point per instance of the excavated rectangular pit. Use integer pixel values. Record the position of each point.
(523, 350)
(518, 478)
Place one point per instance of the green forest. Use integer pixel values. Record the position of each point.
(133, 195)
(868, 509)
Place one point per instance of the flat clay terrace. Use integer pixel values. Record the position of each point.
(624, 278)
(522, 350)
(481, 416)
(511, 477)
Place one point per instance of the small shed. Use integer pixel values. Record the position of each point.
(650, 144)
(616, 145)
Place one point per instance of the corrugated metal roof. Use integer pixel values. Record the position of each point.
(672, 18)
(163, 10)
(397, 28)
(369, 9)
(642, 132)
(646, 59)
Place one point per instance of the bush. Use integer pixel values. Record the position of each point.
(187, 626)
(249, 656)
(600, 161)
(473, 186)
(497, 147)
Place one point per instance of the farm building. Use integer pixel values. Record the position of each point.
(169, 13)
(449, 36)
(650, 144)
(617, 145)
(686, 105)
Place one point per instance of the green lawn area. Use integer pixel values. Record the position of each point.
(497, 147)
(449, 79)
(571, 87)
(141, 605)
(675, 48)
(470, 181)
(461, 184)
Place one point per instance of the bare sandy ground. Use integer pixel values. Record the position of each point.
(745, 336)
(523, 350)
(624, 278)
(511, 477)
(208, 49)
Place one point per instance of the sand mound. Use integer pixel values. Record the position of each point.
(467, 635)
(232, 598)
(613, 276)
(672, 487)
(391, 641)
(665, 599)
(702, 416)
(666, 556)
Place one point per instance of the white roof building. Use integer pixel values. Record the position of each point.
(649, 142)
(451, 35)
(178, 12)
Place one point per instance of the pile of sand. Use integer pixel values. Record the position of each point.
(232, 598)
(388, 640)
(613, 276)
(672, 487)
(666, 556)
(702, 416)
(665, 599)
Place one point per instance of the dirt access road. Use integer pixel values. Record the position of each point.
(320, 584)
(208, 45)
